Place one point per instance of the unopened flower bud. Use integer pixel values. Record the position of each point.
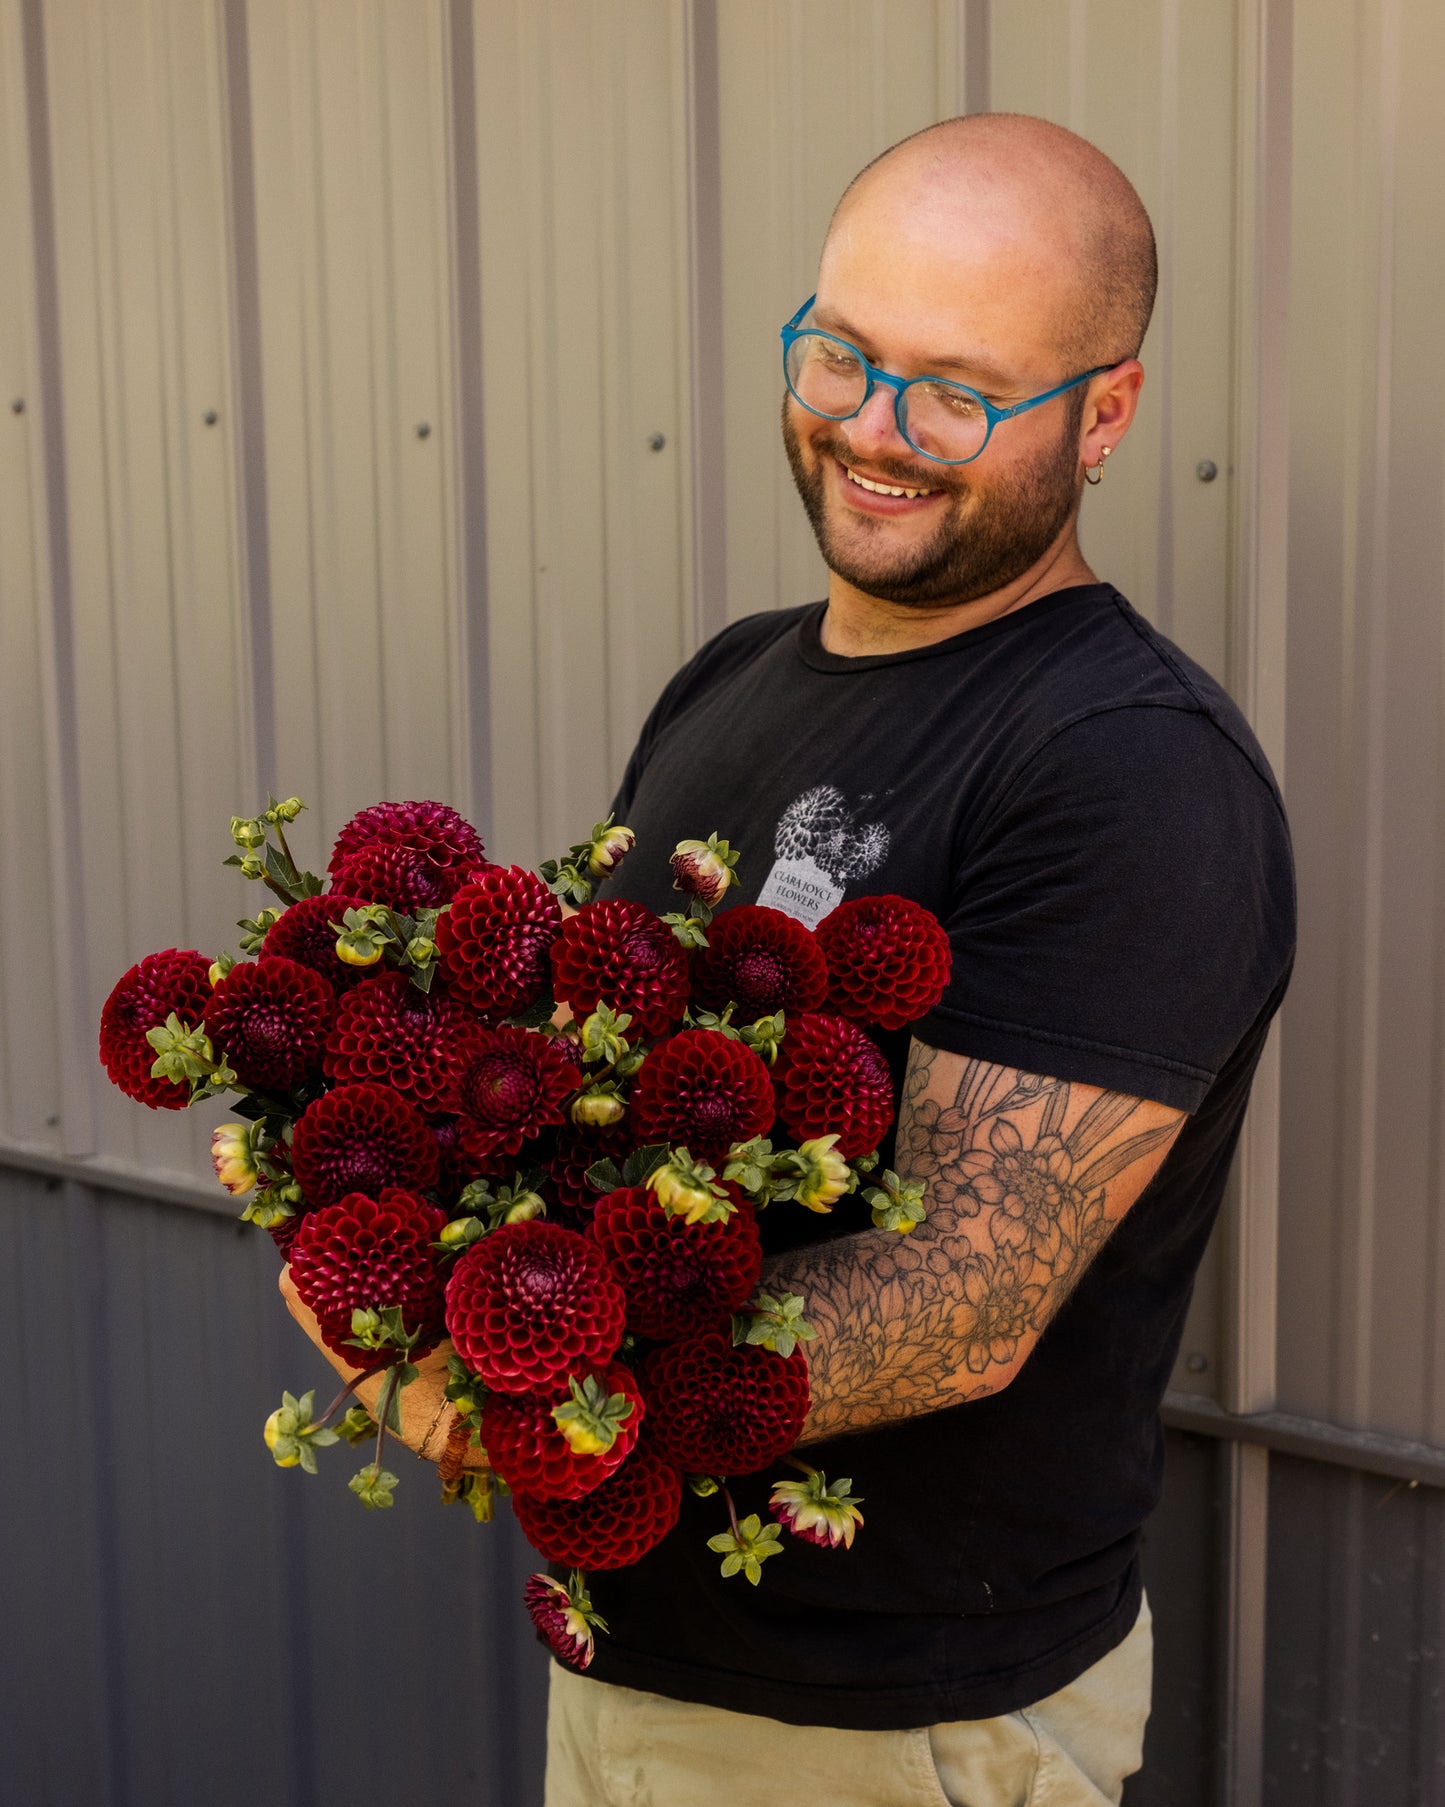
(289, 1453)
(234, 1158)
(285, 812)
(251, 867)
(524, 1208)
(248, 831)
(826, 1176)
(704, 870)
(687, 1190)
(460, 1233)
(597, 1109)
(359, 950)
(610, 843)
(219, 969)
(420, 951)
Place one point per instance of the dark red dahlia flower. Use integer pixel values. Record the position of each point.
(304, 933)
(702, 1091)
(270, 1018)
(511, 1085)
(176, 979)
(443, 840)
(399, 877)
(564, 1618)
(762, 961)
(571, 1200)
(832, 1079)
(714, 1409)
(361, 1138)
(388, 1032)
(888, 960)
(495, 940)
(371, 1254)
(529, 1452)
(617, 952)
(614, 1525)
(677, 1278)
(531, 1304)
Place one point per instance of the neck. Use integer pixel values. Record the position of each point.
(857, 624)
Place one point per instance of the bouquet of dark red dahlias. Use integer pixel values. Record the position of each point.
(543, 1140)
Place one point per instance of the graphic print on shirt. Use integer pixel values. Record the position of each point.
(821, 847)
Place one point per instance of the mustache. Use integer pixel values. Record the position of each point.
(894, 469)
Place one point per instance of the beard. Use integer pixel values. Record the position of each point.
(975, 550)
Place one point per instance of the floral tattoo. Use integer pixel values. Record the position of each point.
(1020, 1173)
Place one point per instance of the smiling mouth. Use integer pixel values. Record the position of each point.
(884, 489)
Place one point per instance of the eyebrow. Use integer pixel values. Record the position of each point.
(990, 374)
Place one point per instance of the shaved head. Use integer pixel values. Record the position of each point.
(1058, 199)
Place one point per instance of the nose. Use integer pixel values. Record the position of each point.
(873, 431)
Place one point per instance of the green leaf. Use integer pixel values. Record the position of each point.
(603, 1176)
(540, 1010)
(642, 1162)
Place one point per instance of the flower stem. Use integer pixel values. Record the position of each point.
(732, 1511)
(383, 1409)
(348, 1388)
(802, 1467)
(281, 837)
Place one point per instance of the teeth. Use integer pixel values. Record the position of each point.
(885, 489)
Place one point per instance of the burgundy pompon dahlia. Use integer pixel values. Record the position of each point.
(531, 1304)
(617, 952)
(443, 841)
(832, 1079)
(614, 1525)
(361, 1138)
(495, 941)
(678, 1278)
(510, 1085)
(174, 980)
(702, 1091)
(269, 1018)
(303, 932)
(889, 960)
(528, 1450)
(387, 1032)
(571, 1198)
(371, 1254)
(564, 1618)
(762, 961)
(713, 1409)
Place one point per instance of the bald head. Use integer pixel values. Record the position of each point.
(1059, 217)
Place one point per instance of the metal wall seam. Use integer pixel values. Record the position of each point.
(708, 498)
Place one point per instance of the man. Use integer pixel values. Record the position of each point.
(975, 721)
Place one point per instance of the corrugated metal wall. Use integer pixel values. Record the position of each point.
(389, 395)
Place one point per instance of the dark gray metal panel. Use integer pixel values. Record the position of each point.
(182, 1620)
(1355, 1698)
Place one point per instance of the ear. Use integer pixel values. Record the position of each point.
(1112, 399)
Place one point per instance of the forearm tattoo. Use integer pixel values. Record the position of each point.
(1026, 1176)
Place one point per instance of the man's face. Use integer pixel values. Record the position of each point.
(923, 296)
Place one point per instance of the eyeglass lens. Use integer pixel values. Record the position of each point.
(938, 418)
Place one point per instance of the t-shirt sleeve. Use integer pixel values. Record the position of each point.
(1124, 913)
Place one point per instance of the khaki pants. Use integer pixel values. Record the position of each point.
(619, 1747)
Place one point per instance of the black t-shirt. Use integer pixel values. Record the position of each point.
(1089, 815)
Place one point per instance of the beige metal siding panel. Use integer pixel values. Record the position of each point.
(29, 1045)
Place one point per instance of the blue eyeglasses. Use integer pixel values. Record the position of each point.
(945, 421)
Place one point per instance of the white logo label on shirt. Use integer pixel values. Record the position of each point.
(821, 847)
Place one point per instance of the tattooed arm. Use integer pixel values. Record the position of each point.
(1026, 1177)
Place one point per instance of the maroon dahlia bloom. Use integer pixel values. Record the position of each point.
(496, 940)
(888, 960)
(511, 1085)
(702, 1091)
(304, 933)
(564, 1627)
(714, 1409)
(399, 877)
(174, 980)
(390, 1033)
(370, 1254)
(571, 1198)
(677, 1278)
(531, 1304)
(442, 840)
(762, 961)
(614, 1525)
(361, 1138)
(832, 1079)
(527, 1450)
(270, 1019)
(617, 952)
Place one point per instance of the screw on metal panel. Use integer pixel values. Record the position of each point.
(210, 417)
(423, 429)
(1206, 470)
(1196, 1363)
(657, 441)
(18, 405)
(52, 1120)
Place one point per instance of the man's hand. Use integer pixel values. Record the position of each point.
(1026, 1177)
(426, 1417)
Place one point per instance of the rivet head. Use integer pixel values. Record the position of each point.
(657, 441)
(210, 417)
(423, 429)
(18, 405)
(1206, 470)
(1196, 1363)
